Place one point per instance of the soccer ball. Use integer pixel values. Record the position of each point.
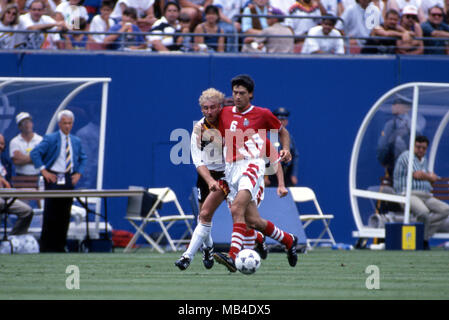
(247, 261)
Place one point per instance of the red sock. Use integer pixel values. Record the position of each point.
(259, 237)
(238, 234)
(277, 234)
(250, 239)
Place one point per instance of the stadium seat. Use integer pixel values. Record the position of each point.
(304, 194)
(165, 221)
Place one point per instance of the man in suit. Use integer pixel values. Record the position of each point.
(61, 160)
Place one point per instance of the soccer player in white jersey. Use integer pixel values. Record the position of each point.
(244, 128)
(212, 189)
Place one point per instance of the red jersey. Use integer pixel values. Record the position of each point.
(245, 133)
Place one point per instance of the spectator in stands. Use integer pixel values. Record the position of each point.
(409, 21)
(185, 40)
(22, 144)
(434, 27)
(19, 208)
(276, 28)
(332, 44)
(61, 161)
(305, 8)
(395, 136)
(210, 43)
(128, 40)
(290, 168)
(195, 9)
(71, 11)
(50, 6)
(144, 8)
(399, 5)
(101, 22)
(423, 205)
(356, 23)
(36, 20)
(382, 6)
(254, 25)
(228, 10)
(167, 24)
(9, 21)
(77, 41)
(391, 29)
(427, 4)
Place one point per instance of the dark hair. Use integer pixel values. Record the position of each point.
(436, 6)
(211, 9)
(107, 3)
(130, 12)
(391, 11)
(243, 80)
(421, 139)
(171, 3)
(330, 18)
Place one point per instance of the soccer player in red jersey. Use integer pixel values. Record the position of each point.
(244, 128)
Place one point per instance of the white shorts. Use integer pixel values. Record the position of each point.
(246, 175)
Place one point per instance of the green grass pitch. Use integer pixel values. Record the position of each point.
(320, 274)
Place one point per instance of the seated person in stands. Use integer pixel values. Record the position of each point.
(209, 43)
(305, 8)
(275, 44)
(126, 40)
(409, 21)
(324, 45)
(77, 41)
(423, 205)
(434, 27)
(168, 24)
(101, 22)
(144, 8)
(390, 28)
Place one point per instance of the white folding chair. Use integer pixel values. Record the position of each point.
(304, 194)
(164, 196)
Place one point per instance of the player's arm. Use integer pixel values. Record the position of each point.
(281, 190)
(284, 139)
(205, 174)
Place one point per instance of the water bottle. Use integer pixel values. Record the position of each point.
(342, 246)
(41, 184)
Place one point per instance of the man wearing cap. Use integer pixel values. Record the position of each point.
(290, 168)
(22, 144)
(410, 22)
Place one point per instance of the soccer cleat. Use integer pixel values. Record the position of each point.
(225, 260)
(291, 253)
(262, 249)
(208, 259)
(183, 263)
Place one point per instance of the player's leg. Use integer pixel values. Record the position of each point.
(254, 220)
(202, 232)
(238, 208)
(255, 240)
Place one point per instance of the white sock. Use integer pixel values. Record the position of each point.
(200, 235)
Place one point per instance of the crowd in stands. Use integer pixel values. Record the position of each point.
(271, 26)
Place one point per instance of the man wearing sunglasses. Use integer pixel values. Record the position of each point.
(435, 27)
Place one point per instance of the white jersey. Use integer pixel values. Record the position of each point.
(37, 40)
(19, 144)
(205, 153)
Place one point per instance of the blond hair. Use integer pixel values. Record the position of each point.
(213, 95)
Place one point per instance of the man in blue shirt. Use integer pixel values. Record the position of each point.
(129, 40)
(436, 28)
(423, 205)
